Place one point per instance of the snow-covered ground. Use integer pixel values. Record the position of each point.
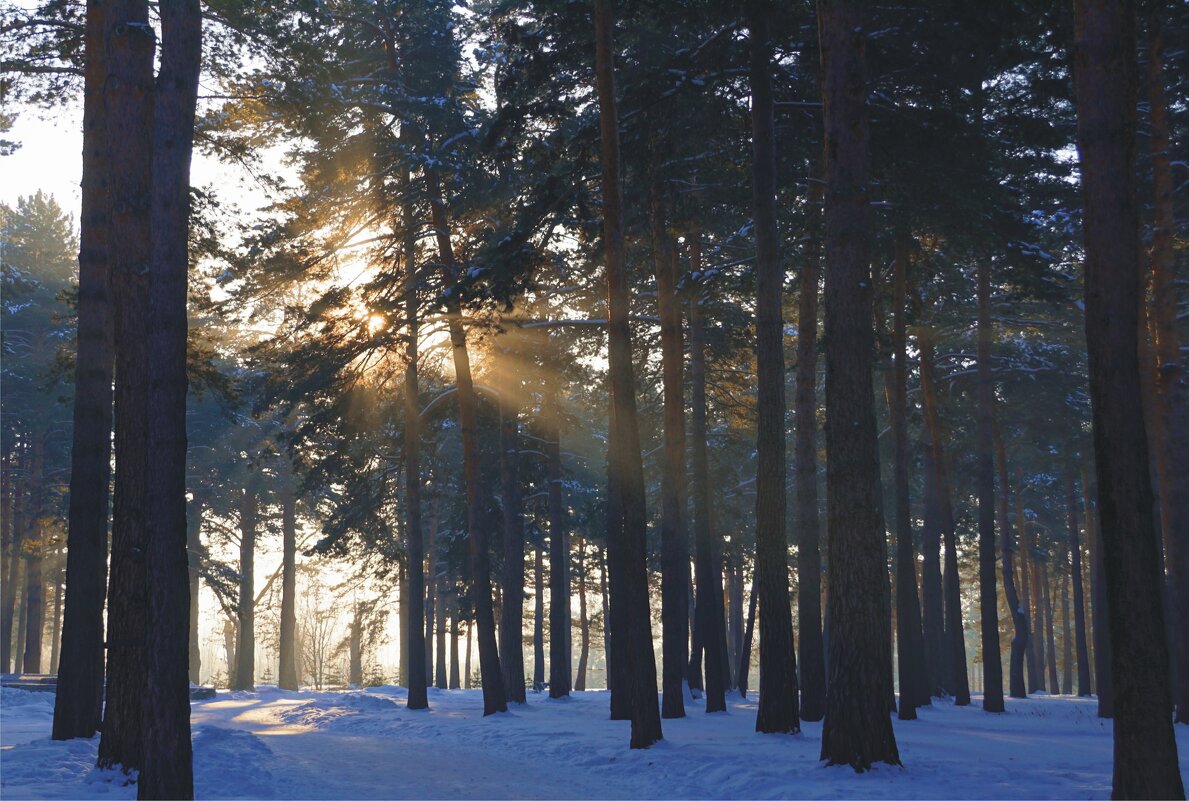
(276, 744)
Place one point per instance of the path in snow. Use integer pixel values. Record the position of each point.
(276, 744)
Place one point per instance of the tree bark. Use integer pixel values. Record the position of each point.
(809, 558)
(735, 614)
(78, 700)
(245, 645)
(455, 668)
(779, 703)
(559, 556)
(911, 649)
(440, 663)
(168, 766)
(1050, 639)
(129, 107)
(708, 609)
(633, 669)
(512, 611)
(857, 730)
(1172, 380)
(1019, 643)
(1102, 623)
(932, 600)
(747, 638)
(674, 539)
(955, 679)
(1026, 569)
(414, 535)
(1105, 79)
(287, 672)
(14, 501)
(583, 621)
(56, 616)
(539, 620)
(195, 556)
(494, 698)
(1079, 602)
(985, 480)
(1067, 639)
(35, 560)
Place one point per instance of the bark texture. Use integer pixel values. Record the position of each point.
(168, 766)
(1105, 93)
(79, 697)
(633, 669)
(129, 99)
(985, 481)
(779, 703)
(857, 730)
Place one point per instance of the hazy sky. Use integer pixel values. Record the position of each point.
(50, 157)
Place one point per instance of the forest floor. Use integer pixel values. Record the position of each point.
(277, 744)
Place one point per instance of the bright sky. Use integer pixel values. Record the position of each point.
(50, 157)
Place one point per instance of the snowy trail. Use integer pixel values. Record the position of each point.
(276, 744)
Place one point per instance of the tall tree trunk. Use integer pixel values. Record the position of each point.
(606, 609)
(403, 604)
(559, 555)
(455, 679)
(56, 616)
(954, 673)
(512, 611)
(710, 615)
(674, 539)
(355, 649)
(1102, 623)
(1067, 637)
(34, 611)
(1172, 379)
(35, 560)
(1019, 642)
(440, 664)
(735, 615)
(417, 675)
(747, 638)
(985, 480)
(1026, 569)
(911, 652)
(693, 665)
(932, 602)
(431, 592)
(633, 668)
(1105, 78)
(168, 766)
(22, 600)
(583, 620)
(809, 558)
(1038, 616)
(245, 645)
(287, 672)
(779, 704)
(494, 698)
(14, 501)
(195, 556)
(1050, 639)
(129, 109)
(78, 700)
(539, 620)
(857, 729)
(229, 638)
(1079, 602)
(467, 664)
